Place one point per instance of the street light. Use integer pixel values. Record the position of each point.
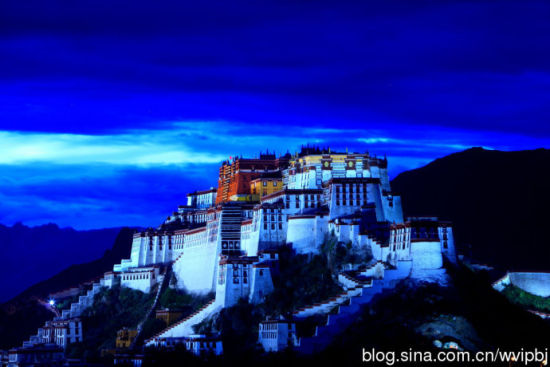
(51, 302)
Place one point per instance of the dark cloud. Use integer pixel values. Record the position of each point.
(114, 64)
(449, 74)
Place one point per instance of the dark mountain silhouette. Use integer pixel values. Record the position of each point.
(21, 316)
(32, 254)
(499, 203)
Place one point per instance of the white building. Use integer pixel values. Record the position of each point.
(202, 199)
(61, 332)
(277, 335)
(196, 344)
(230, 248)
(36, 355)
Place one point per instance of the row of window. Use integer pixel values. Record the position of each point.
(351, 202)
(269, 335)
(279, 225)
(137, 276)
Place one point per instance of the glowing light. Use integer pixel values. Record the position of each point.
(51, 302)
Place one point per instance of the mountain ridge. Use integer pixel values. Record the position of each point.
(23, 314)
(32, 254)
(497, 201)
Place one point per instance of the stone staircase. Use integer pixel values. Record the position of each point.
(184, 327)
(75, 310)
(337, 322)
(327, 305)
(359, 292)
(162, 286)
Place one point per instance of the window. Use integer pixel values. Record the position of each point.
(264, 183)
(281, 227)
(274, 183)
(272, 225)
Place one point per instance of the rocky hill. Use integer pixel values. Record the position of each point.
(498, 202)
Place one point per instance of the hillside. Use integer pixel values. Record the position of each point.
(498, 202)
(32, 254)
(21, 316)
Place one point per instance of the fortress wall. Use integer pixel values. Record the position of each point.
(374, 195)
(448, 244)
(426, 255)
(393, 213)
(137, 244)
(307, 233)
(534, 283)
(250, 240)
(301, 233)
(196, 268)
(262, 284)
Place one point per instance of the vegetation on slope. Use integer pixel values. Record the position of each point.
(23, 315)
(299, 280)
(112, 310)
(527, 300)
(179, 299)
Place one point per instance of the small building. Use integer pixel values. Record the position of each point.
(141, 279)
(135, 360)
(169, 316)
(277, 335)
(36, 355)
(202, 199)
(196, 344)
(125, 337)
(61, 332)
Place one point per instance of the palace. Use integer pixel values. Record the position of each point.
(227, 239)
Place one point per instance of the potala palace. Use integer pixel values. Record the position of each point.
(228, 238)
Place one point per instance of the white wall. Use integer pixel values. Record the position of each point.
(262, 284)
(140, 280)
(307, 233)
(534, 283)
(196, 269)
(426, 255)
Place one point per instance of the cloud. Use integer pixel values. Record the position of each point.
(131, 148)
(139, 176)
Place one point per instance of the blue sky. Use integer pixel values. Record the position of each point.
(112, 110)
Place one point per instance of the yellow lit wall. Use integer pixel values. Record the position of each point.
(265, 186)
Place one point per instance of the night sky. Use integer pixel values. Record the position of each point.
(111, 111)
